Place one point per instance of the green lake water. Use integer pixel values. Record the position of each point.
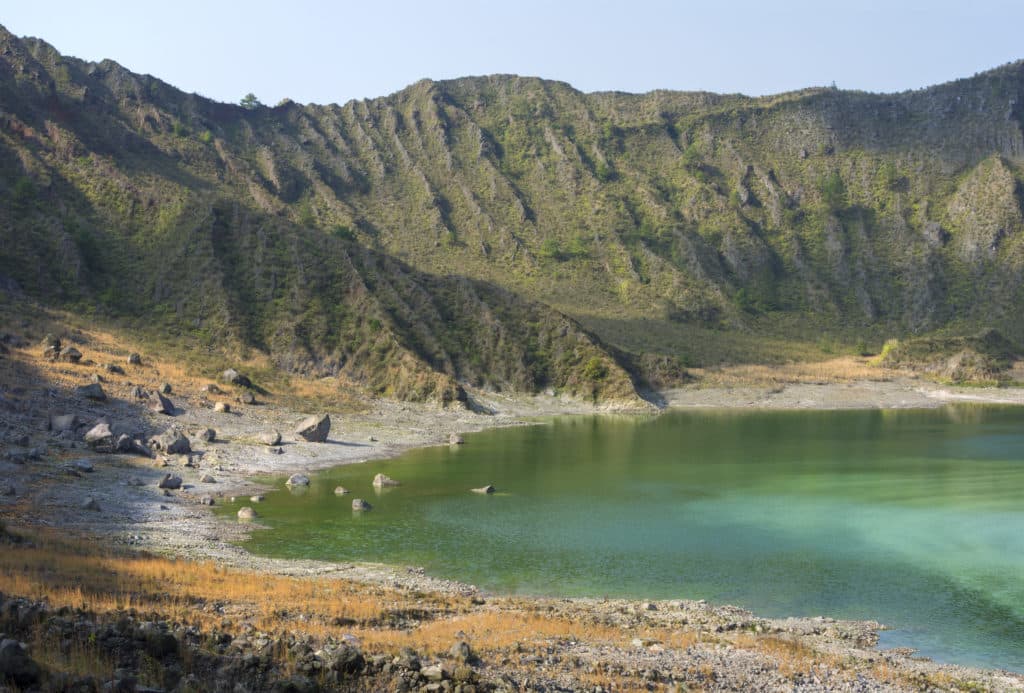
(914, 518)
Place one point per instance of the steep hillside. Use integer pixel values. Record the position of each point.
(499, 230)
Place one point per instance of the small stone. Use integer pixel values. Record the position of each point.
(461, 652)
(432, 673)
(340, 491)
(82, 465)
(165, 389)
(211, 389)
(63, 422)
(360, 504)
(207, 479)
(134, 359)
(170, 482)
(208, 434)
(70, 355)
(258, 498)
(206, 500)
(246, 513)
(277, 451)
(233, 377)
(484, 490)
(247, 398)
(137, 392)
(298, 480)
(270, 438)
(649, 606)
(222, 407)
(113, 368)
(90, 504)
(455, 439)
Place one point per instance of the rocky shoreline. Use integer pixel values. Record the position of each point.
(52, 479)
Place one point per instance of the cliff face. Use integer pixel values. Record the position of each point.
(499, 230)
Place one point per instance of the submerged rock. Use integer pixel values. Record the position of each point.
(488, 489)
(383, 480)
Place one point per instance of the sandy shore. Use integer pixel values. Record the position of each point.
(133, 512)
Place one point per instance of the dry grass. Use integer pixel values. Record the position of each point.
(843, 369)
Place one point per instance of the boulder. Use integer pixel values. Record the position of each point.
(298, 480)
(70, 355)
(485, 490)
(16, 666)
(170, 482)
(247, 398)
(134, 359)
(93, 391)
(161, 405)
(208, 435)
(100, 438)
(455, 439)
(360, 504)
(270, 438)
(235, 378)
(222, 407)
(315, 428)
(207, 479)
(172, 441)
(63, 422)
(347, 660)
(461, 652)
(383, 480)
(90, 504)
(340, 491)
(246, 513)
(113, 368)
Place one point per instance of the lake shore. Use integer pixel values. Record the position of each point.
(135, 514)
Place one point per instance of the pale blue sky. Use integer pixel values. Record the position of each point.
(327, 52)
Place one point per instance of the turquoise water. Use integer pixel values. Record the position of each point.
(912, 518)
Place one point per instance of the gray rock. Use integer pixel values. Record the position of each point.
(83, 465)
(16, 666)
(433, 673)
(222, 407)
(63, 422)
(270, 438)
(100, 438)
(246, 513)
(360, 504)
(277, 451)
(170, 482)
(341, 491)
(347, 660)
(208, 435)
(258, 498)
(207, 479)
(113, 368)
(90, 504)
(93, 391)
(455, 439)
(298, 480)
(206, 500)
(485, 490)
(235, 378)
(461, 652)
(134, 359)
(172, 441)
(315, 428)
(247, 398)
(70, 355)
(383, 480)
(161, 405)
